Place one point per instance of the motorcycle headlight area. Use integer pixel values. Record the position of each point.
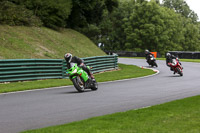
(75, 71)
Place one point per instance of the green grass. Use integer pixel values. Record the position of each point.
(190, 60)
(182, 60)
(125, 72)
(19, 42)
(181, 116)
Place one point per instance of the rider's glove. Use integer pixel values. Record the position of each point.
(67, 73)
(81, 65)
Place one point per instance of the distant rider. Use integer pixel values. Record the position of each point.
(147, 54)
(74, 59)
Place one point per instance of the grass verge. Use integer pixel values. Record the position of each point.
(179, 116)
(182, 60)
(125, 72)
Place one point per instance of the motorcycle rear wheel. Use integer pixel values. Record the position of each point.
(155, 64)
(78, 84)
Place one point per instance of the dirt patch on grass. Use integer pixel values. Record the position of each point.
(118, 69)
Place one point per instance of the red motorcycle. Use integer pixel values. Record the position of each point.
(176, 66)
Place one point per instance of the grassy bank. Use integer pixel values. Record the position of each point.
(181, 116)
(125, 72)
(19, 42)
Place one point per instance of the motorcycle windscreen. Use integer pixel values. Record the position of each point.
(151, 57)
(72, 64)
(174, 62)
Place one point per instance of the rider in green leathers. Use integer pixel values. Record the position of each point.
(74, 59)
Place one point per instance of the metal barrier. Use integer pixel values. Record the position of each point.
(129, 53)
(186, 54)
(34, 69)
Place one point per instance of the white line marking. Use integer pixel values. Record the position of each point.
(157, 72)
(36, 90)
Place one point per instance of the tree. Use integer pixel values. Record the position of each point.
(12, 14)
(137, 25)
(112, 26)
(153, 27)
(180, 6)
(52, 13)
(86, 12)
(191, 33)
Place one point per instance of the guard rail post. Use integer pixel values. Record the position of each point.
(116, 60)
(63, 69)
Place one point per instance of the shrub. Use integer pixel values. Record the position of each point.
(15, 15)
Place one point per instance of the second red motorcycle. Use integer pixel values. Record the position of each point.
(176, 66)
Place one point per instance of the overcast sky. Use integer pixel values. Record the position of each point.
(194, 5)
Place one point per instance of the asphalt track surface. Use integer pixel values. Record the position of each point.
(36, 109)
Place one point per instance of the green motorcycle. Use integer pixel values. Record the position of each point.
(81, 79)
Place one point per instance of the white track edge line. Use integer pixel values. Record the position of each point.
(157, 72)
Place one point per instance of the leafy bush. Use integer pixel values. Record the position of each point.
(53, 13)
(12, 14)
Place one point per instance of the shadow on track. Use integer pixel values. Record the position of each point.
(173, 76)
(75, 92)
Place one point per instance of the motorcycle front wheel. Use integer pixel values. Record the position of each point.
(179, 71)
(78, 84)
(95, 86)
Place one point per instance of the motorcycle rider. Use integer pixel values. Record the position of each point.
(169, 58)
(74, 59)
(147, 54)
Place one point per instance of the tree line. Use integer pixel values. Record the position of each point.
(130, 25)
(139, 25)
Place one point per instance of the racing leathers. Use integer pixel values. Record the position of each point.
(81, 64)
(169, 60)
(148, 57)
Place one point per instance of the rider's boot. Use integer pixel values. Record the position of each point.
(92, 76)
